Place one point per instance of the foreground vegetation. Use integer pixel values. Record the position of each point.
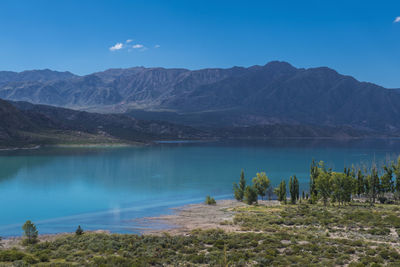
(277, 235)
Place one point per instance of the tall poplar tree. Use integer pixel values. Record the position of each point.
(387, 179)
(396, 171)
(294, 189)
(240, 189)
(314, 171)
(360, 183)
(373, 184)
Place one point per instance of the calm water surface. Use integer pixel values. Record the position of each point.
(107, 188)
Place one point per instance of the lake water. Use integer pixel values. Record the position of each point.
(107, 188)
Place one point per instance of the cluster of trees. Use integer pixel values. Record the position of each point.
(341, 187)
(250, 193)
(262, 186)
(294, 189)
(329, 186)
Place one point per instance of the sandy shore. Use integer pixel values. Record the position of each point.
(195, 216)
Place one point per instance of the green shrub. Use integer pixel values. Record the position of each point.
(11, 255)
(43, 256)
(210, 200)
(28, 259)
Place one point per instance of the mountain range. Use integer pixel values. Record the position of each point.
(250, 99)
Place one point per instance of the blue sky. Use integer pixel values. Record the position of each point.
(358, 38)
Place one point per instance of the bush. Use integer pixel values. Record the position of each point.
(43, 256)
(382, 200)
(28, 259)
(210, 201)
(11, 255)
(79, 230)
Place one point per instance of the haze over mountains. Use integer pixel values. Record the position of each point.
(250, 98)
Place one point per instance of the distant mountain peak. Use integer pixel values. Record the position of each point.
(42, 75)
(277, 63)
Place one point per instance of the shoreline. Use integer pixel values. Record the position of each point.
(21, 148)
(182, 221)
(156, 142)
(101, 145)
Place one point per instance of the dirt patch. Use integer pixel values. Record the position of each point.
(200, 216)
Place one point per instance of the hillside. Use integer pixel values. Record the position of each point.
(25, 124)
(276, 93)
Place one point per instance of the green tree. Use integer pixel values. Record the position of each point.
(342, 187)
(250, 195)
(387, 180)
(261, 184)
(360, 183)
(323, 186)
(366, 181)
(396, 170)
(314, 171)
(280, 191)
(240, 189)
(353, 179)
(79, 230)
(373, 185)
(294, 189)
(30, 232)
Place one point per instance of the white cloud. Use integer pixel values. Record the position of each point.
(125, 45)
(117, 46)
(396, 20)
(157, 46)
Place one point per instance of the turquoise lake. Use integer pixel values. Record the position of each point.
(108, 188)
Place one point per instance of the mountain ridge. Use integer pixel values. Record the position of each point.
(24, 124)
(272, 93)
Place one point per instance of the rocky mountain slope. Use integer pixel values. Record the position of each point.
(276, 93)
